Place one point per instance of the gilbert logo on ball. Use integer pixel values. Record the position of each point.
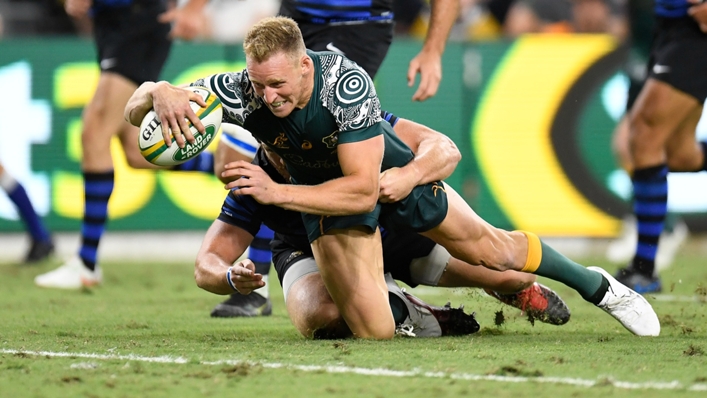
(152, 145)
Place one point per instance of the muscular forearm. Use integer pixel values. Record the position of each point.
(210, 274)
(436, 155)
(356, 192)
(338, 197)
(442, 17)
(223, 244)
(435, 159)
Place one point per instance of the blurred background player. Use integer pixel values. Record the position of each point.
(663, 124)
(566, 16)
(363, 33)
(132, 44)
(212, 20)
(41, 245)
(622, 249)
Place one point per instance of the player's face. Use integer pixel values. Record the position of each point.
(280, 82)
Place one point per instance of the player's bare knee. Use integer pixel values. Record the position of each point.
(333, 331)
(678, 161)
(642, 138)
(322, 322)
(96, 113)
(311, 309)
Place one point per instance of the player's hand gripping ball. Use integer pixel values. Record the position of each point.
(151, 142)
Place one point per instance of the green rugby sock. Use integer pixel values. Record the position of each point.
(589, 284)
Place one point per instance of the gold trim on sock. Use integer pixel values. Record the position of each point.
(535, 253)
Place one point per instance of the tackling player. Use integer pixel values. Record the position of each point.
(319, 112)
(407, 256)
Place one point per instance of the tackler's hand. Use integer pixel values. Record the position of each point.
(244, 277)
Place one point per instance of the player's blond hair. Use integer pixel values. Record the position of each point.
(273, 35)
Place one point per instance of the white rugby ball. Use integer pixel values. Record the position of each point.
(152, 145)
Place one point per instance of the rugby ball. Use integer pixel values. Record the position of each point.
(152, 145)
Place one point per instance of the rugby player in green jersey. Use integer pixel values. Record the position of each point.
(319, 112)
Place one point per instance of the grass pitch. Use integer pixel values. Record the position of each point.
(147, 332)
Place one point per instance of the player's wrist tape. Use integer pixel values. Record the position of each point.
(230, 282)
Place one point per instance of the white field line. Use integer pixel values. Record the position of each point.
(653, 385)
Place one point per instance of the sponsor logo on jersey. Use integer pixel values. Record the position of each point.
(298, 160)
(436, 188)
(280, 142)
(294, 255)
(331, 140)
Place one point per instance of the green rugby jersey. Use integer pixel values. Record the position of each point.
(344, 108)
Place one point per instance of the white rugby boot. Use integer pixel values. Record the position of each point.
(73, 274)
(628, 307)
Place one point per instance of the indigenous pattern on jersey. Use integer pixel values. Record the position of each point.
(671, 8)
(344, 108)
(338, 11)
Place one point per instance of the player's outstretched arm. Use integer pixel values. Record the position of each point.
(436, 157)
(223, 244)
(428, 62)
